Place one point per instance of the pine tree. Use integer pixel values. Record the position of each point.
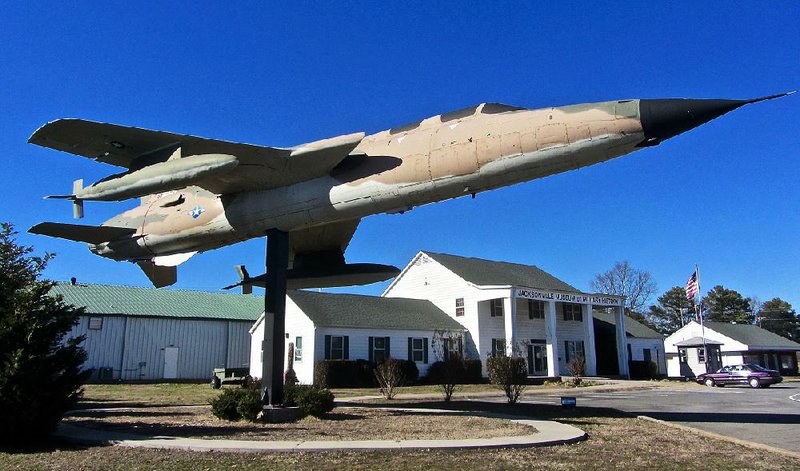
(40, 372)
(672, 312)
(727, 305)
(778, 316)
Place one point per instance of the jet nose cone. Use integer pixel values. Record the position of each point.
(665, 118)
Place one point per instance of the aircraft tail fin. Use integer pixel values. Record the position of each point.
(244, 280)
(77, 204)
(158, 275)
(81, 233)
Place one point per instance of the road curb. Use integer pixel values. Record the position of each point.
(738, 441)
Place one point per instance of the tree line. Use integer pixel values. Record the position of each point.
(673, 310)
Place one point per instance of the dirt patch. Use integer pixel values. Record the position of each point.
(343, 423)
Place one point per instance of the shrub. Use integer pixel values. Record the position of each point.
(343, 374)
(238, 403)
(473, 372)
(313, 401)
(510, 374)
(390, 376)
(290, 378)
(577, 368)
(410, 372)
(447, 375)
(40, 369)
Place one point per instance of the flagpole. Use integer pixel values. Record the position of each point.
(702, 324)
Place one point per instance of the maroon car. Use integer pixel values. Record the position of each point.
(754, 375)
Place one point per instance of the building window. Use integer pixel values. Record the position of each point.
(535, 309)
(682, 356)
(573, 349)
(337, 347)
(453, 348)
(498, 347)
(378, 349)
(701, 354)
(298, 349)
(418, 349)
(459, 307)
(573, 312)
(95, 323)
(648, 356)
(496, 307)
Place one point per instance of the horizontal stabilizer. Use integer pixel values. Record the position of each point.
(350, 274)
(159, 276)
(80, 233)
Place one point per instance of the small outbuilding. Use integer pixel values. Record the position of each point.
(146, 334)
(693, 349)
(329, 326)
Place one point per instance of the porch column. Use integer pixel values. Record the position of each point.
(588, 333)
(622, 342)
(552, 339)
(510, 319)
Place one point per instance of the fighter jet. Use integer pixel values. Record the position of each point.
(200, 194)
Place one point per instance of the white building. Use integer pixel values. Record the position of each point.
(509, 308)
(326, 326)
(148, 334)
(720, 344)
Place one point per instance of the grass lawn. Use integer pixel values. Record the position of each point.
(616, 441)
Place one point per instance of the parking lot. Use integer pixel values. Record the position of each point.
(770, 416)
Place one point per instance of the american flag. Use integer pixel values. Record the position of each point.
(692, 288)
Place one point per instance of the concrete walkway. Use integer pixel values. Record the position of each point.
(547, 433)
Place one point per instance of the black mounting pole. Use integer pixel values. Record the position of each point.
(273, 353)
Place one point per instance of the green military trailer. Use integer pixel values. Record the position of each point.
(222, 376)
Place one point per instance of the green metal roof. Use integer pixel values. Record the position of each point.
(751, 335)
(134, 301)
(633, 327)
(490, 273)
(371, 312)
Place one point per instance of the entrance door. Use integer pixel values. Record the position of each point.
(171, 362)
(537, 359)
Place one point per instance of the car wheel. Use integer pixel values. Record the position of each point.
(754, 383)
(709, 382)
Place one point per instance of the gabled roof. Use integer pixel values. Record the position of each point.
(633, 327)
(134, 301)
(372, 312)
(751, 335)
(490, 273)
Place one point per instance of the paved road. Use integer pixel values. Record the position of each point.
(769, 416)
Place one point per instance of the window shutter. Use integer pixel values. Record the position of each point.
(425, 350)
(566, 350)
(387, 349)
(371, 348)
(327, 347)
(460, 347)
(346, 347)
(410, 348)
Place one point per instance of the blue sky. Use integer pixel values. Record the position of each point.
(723, 196)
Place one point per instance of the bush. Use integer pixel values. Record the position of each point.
(40, 369)
(390, 376)
(473, 373)
(290, 378)
(238, 403)
(344, 374)
(410, 372)
(310, 400)
(510, 374)
(447, 375)
(577, 368)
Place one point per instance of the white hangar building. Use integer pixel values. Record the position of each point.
(148, 334)
(510, 308)
(327, 326)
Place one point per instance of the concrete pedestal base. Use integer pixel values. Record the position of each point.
(280, 415)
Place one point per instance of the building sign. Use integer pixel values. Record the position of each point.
(594, 299)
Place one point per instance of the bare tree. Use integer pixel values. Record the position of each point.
(449, 371)
(638, 286)
(390, 376)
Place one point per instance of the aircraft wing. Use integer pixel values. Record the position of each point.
(259, 167)
(321, 245)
